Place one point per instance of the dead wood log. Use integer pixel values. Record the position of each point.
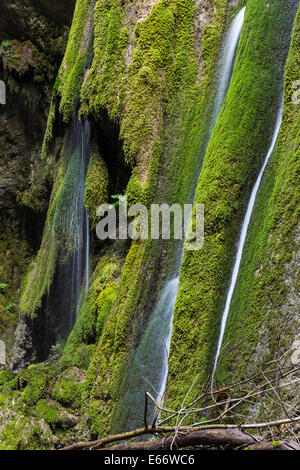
(220, 438)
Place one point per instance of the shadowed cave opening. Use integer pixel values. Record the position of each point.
(106, 136)
(54, 321)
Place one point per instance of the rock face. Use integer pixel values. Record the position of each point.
(236, 152)
(32, 42)
(144, 76)
(34, 19)
(22, 353)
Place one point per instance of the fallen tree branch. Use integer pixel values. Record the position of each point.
(232, 438)
(107, 440)
(188, 430)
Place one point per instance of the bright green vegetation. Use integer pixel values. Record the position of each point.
(38, 403)
(151, 76)
(236, 150)
(14, 258)
(268, 271)
(162, 98)
(96, 186)
(97, 305)
(26, 433)
(77, 57)
(162, 101)
(5, 376)
(162, 78)
(103, 89)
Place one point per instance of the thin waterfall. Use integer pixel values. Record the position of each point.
(70, 235)
(85, 139)
(225, 72)
(71, 229)
(74, 220)
(242, 239)
(150, 361)
(227, 63)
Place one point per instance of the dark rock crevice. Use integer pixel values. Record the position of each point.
(36, 33)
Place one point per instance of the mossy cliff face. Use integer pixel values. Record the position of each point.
(31, 48)
(147, 74)
(266, 292)
(164, 89)
(144, 75)
(236, 151)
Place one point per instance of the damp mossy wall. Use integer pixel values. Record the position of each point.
(165, 124)
(150, 75)
(147, 75)
(97, 305)
(235, 153)
(265, 307)
(41, 406)
(96, 186)
(39, 276)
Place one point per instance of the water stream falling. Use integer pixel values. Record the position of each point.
(224, 77)
(227, 63)
(70, 232)
(71, 221)
(150, 361)
(243, 238)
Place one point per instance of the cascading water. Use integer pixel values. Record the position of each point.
(70, 233)
(227, 63)
(71, 222)
(242, 239)
(224, 77)
(150, 361)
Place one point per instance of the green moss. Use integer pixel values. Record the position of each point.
(49, 412)
(58, 418)
(96, 187)
(265, 283)
(42, 396)
(105, 302)
(164, 104)
(235, 152)
(68, 393)
(5, 376)
(103, 87)
(98, 303)
(34, 383)
(26, 434)
(76, 58)
(50, 125)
